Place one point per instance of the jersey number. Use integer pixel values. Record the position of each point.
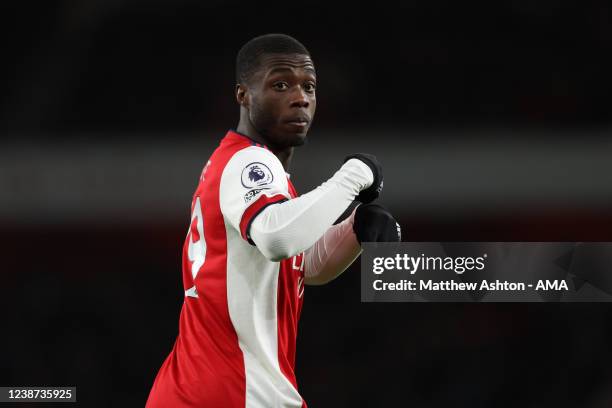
(196, 251)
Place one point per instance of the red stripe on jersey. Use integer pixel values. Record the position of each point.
(290, 288)
(254, 209)
(292, 189)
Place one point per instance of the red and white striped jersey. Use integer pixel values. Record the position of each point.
(239, 320)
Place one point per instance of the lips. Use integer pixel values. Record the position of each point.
(299, 120)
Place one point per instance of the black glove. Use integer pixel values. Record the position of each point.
(371, 193)
(373, 223)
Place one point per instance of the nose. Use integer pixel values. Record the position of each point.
(299, 98)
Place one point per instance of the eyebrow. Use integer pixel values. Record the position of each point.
(284, 69)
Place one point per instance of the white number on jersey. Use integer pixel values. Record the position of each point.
(196, 250)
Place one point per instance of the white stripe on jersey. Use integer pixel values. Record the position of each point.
(252, 287)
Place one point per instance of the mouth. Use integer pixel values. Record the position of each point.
(299, 121)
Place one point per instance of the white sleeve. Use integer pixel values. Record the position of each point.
(251, 180)
(283, 230)
(335, 251)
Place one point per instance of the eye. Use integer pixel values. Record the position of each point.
(310, 87)
(280, 86)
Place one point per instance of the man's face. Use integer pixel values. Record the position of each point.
(283, 98)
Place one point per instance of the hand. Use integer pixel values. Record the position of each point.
(371, 193)
(373, 223)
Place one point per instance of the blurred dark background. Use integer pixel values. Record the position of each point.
(492, 121)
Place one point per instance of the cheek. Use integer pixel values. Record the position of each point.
(265, 111)
(257, 111)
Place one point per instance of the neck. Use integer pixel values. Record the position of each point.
(246, 128)
(285, 157)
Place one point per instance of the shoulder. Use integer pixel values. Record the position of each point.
(252, 179)
(256, 167)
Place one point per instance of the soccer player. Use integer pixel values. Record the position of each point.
(253, 243)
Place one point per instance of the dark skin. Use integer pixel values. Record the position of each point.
(278, 103)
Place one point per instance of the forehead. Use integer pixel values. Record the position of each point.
(279, 62)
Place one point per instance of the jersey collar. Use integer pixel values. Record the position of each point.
(235, 133)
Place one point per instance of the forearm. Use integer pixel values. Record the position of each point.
(332, 254)
(286, 229)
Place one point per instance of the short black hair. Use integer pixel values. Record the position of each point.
(248, 58)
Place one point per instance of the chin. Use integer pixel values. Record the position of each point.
(299, 139)
(293, 139)
(282, 139)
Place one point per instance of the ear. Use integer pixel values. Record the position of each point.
(242, 96)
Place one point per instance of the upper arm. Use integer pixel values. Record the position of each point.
(252, 179)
